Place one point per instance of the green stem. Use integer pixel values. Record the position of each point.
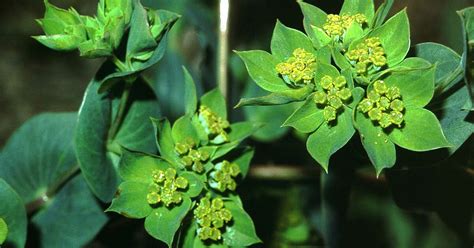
(117, 62)
(335, 193)
(121, 111)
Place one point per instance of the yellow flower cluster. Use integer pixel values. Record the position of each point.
(299, 68)
(165, 187)
(191, 157)
(368, 55)
(214, 125)
(334, 93)
(383, 105)
(337, 25)
(222, 177)
(211, 216)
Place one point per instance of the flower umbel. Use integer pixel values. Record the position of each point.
(383, 105)
(223, 176)
(333, 96)
(190, 156)
(165, 187)
(211, 217)
(299, 68)
(368, 56)
(214, 125)
(337, 25)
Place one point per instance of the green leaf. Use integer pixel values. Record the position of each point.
(376, 143)
(421, 131)
(272, 117)
(448, 63)
(320, 38)
(136, 166)
(164, 139)
(216, 102)
(39, 154)
(190, 95)
(241, 130)
(313, 16)
(352, 7)
(73, 208)
(285, 40)
(306, 118)
(467, 20)
(354, 32)
(279, 98)
(456, 122)
(136, 128)
(242, 230)
(183, 129)
(395, 37)
(131, 200)
(244, 160)
(325, 69)
(262, 69)
(163, 222)
(110, 79)
(357, 95)
(13, 216)
(140, 39)
(416, 86)
(195, 184)
(90, 143)
(340, 60)
(3, 231)
(382, 13)
(329, 138)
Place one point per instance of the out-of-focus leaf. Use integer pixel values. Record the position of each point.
(13, 216)
(73, 214)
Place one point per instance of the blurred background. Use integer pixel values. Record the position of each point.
(283, 191)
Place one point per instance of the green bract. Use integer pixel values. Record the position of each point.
(194, 165)
(371, 87)
(3, 231)
(64, 29)
(103, 35)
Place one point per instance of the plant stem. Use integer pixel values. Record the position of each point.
(120, 113)
(335, 192)
(117, 62)
(223, 46)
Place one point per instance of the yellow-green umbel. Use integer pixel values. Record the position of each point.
(211, 216)
(298, 69)
(333, 96)
(368, 55)
(337, 25)
(165, 187)
(223, 176)
(383, 105)
(214, 125)
(191, 157)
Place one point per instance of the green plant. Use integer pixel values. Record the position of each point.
(109, 147)
(143, 145)
(352, 73)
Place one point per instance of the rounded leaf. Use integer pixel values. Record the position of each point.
(131, 200)
(421, 131)
(163, 222)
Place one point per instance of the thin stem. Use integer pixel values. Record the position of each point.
(223, 47)
(117, 62)
(121, 112)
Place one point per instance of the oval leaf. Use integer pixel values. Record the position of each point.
(421, 131)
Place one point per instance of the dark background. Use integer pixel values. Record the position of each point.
(35, 79)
